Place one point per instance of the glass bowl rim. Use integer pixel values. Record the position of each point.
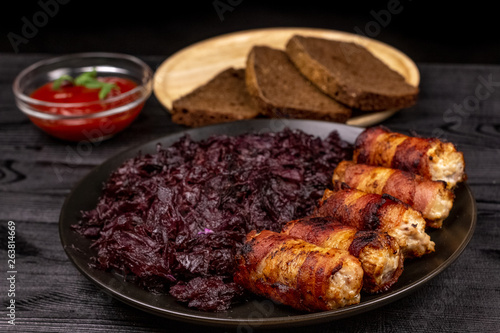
(144, 88)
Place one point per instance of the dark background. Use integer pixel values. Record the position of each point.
(53, 295)
(426, 31)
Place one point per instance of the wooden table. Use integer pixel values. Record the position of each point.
(458, 102)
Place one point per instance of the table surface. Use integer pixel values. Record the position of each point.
(457, 102)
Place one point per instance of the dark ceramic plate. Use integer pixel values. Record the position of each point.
(450, 242)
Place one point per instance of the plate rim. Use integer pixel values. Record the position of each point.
(366, 119)
(292, 320)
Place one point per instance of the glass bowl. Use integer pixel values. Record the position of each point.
(81, 121)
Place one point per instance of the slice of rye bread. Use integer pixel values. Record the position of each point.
(351, 74)
(281, 91)
(224, 98)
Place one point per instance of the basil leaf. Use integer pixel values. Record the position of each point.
(106, 88)
(94, 84)
(88, 80)
(85, 78)
(57, 83)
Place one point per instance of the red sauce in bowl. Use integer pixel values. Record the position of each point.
(85, 127)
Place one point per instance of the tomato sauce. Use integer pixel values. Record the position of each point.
(81, 128)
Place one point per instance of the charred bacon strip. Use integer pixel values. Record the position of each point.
(294, 272)
(429, 197)
(428, 157)
(367, 211)
(379, 253)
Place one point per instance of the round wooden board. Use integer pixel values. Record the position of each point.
(198, 63)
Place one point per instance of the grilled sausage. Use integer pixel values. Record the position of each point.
(367, 211)
(431, 198)
(379, 253)
(428, 157)
(294, 272)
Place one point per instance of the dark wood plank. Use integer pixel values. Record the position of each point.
(38, 172)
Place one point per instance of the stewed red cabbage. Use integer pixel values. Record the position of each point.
(174, 220)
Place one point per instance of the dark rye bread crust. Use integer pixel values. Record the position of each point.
(282, 92)
(222, 99)
(351, 74)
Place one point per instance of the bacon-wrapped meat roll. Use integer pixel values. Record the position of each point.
(294, 272)
(429, 197)
(368, 211)
(379, 253)
(428, 157)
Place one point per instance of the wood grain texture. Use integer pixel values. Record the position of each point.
(54, 297)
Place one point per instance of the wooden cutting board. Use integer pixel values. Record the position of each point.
(196, 64)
